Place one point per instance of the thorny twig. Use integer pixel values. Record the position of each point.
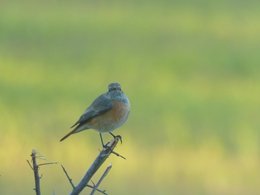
(101, 178)
(73, 186)
(103, 155)
(68, 177)
(35, 167)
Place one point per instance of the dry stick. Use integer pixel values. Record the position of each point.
(29, 164)
(35, 168)
(36, 173)
(68, 177)
(101, 191)
(101, 179)
(72, 184)
(103, 155)
(49, 163)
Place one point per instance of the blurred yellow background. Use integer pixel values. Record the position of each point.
(190, 68)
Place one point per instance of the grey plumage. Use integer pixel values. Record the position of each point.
(104, 120)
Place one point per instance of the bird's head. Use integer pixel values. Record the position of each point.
(114, 87)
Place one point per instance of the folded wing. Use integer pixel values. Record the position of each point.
(101, 105)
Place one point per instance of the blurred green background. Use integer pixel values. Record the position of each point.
(190, 68)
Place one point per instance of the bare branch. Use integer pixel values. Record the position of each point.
(72, 184)
(103, 155)
(101, 179)
(119, 155)
(50, 163)
(101, 191)
(35, 167)
(36, 173)
(68, 177)
(29, 164)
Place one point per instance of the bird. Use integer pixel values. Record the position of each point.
(106, 113)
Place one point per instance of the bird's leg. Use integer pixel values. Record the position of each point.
(102, 140)
(120, 138)
(105, 146)
(114, 136)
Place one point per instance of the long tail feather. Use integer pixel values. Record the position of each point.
(75, 124)
(70, 133)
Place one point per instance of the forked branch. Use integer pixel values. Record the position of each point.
(103, 155)
(35, 167)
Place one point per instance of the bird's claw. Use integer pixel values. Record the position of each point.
(119, 137)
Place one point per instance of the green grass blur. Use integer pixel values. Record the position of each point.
(190, 69)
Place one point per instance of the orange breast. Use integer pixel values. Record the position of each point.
(110, 119)
(118, 111)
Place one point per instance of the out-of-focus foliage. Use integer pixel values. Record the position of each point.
(190, 69)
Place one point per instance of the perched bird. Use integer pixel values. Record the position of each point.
(108, 112)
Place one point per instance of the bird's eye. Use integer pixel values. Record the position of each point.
(112, 89)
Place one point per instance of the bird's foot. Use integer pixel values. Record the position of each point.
(119, 137)
(116, 136)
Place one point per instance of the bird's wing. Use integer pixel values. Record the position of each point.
(101, 105)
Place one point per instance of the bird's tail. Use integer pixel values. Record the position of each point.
(70, 133)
